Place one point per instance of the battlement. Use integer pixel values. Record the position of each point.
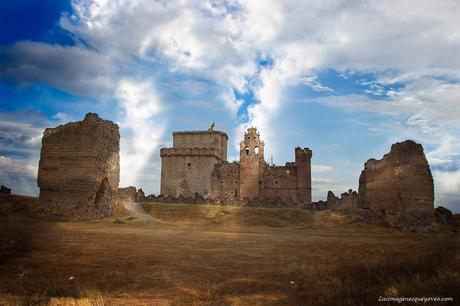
(305, 152)
(200, 133)
(195, 151)
(202, 139)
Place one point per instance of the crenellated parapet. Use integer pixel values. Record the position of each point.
(305, 152)
(211, 132)
(195, 151)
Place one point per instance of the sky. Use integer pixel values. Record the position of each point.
(345, 78)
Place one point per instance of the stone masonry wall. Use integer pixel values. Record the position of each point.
(399, 186)
(280, 182)
(127, 194)
(347, 200)
(225, 182)
(185, 172)
(402, 180)
(79, 169)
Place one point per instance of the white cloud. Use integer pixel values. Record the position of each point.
(62, 117)
(231, 103)
(17, 166)
(222, 41)
(313, 83)
(20, 134)
(447, 186)
(320, 168)
(447, 181)
(141, 127)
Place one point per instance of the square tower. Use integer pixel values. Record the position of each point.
(186, 168)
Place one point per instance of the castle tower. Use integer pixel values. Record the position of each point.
(252, 164)
(186, 168)
(303, 164)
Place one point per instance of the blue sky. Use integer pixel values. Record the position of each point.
(345, 78)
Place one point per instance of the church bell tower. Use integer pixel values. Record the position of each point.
(251, 164)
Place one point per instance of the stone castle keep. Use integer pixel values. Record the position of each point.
(197, 165)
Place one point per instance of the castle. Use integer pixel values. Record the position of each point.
(79, 173)
(197, 165)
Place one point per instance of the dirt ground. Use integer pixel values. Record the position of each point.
(201, 255)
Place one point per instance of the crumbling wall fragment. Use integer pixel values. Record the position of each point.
(140, 195)
(347, 200)
(127, 194)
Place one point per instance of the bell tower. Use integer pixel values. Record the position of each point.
(252, 164)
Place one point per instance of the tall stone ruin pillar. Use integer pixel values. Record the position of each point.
(79, 169)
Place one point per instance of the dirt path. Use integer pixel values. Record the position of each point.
(317, 221)
(137, 210)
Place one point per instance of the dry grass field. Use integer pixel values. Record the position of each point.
(216, 255)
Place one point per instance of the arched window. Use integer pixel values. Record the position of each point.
(256, 151)
(247, 150)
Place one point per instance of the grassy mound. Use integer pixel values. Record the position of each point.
(228, 215)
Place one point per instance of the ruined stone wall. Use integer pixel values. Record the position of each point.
(187, 171)
(127, 194)
(130, 194)
(280, 182)
(402, 180)
(399, 186)
(79, 170)
(347, 200)
(202, 139)
(225, 182)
